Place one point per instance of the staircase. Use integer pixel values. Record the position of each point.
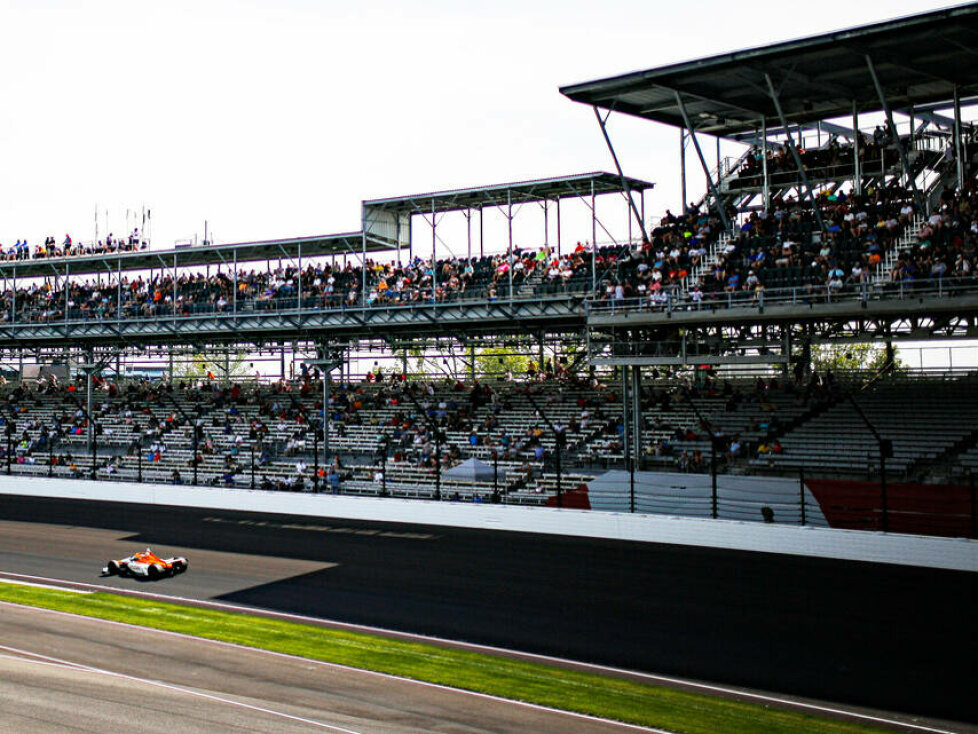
(711, 258)
(527, 289)
(904, 242)
(729, 168)
(941, 467)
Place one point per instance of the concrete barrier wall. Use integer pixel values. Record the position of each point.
(913, 550)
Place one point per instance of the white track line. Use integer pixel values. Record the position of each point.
(652, 677)
(58, 662)
(44, 586)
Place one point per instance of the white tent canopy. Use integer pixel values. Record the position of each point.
(471, 470)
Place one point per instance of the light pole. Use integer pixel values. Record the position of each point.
(197, 431)
(714, 445)
(438, 435)
(560, 438)
(886, 451)
(382, 440)
(92, 427)
(495, 474)
(326, 363)
(438, 439)
(10, 436)
(315, 456)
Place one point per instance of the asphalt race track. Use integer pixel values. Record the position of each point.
(889, 637)
(84, 675)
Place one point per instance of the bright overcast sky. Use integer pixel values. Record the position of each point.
(274, 119)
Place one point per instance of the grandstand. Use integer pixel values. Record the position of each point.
(686, 347)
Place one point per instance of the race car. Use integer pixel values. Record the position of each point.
(146, 565)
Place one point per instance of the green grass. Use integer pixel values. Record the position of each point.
(602, 696)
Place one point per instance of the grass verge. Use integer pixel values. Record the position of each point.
(586, 693)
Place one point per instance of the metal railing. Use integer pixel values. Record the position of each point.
(898, 290)
(260, 306)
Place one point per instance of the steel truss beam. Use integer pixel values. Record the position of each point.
(762, 344)
(794, 152)
(706, 169)
(911, 182)
(496, 317)
(603, 122)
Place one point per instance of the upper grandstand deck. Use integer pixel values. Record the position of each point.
(519, 192)
(919, 60)
(702, 268)
(189, 257)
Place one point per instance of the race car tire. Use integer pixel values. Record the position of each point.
(155, 571)
(113, 568)
(179, 565)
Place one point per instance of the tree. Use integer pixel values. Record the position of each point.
(852, 357)
(204, 363)
(499, 360)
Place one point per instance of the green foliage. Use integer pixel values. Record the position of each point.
(202, 362)
(852, 357)
(562, 688)
(491, 361)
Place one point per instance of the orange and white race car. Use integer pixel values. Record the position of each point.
(146, 565)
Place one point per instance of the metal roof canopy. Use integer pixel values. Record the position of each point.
(920, 59)
(544, 189)
(350, 243)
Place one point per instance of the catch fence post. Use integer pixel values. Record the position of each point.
(974, 505)
(801, 492)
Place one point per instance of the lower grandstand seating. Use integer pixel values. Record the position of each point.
(758, 425)
(925, 419)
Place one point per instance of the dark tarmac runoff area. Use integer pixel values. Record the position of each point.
(890, 637)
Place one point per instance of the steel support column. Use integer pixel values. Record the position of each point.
(682, 170)
(89, 404)
(624, 182)
(911, 182)
(794, 153)
(637, 414)
(706, 170)
(326, 369)
(594, 241)
(434, 249)
(626, 439)
(546, 226)
(509, 226)
(764, 171)
(856, 151)
(958, 158)
(558, 227)
(363, 278)
(298, 294)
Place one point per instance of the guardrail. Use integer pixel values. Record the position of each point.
(132, 313)
(683, 301)
(667, 301)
